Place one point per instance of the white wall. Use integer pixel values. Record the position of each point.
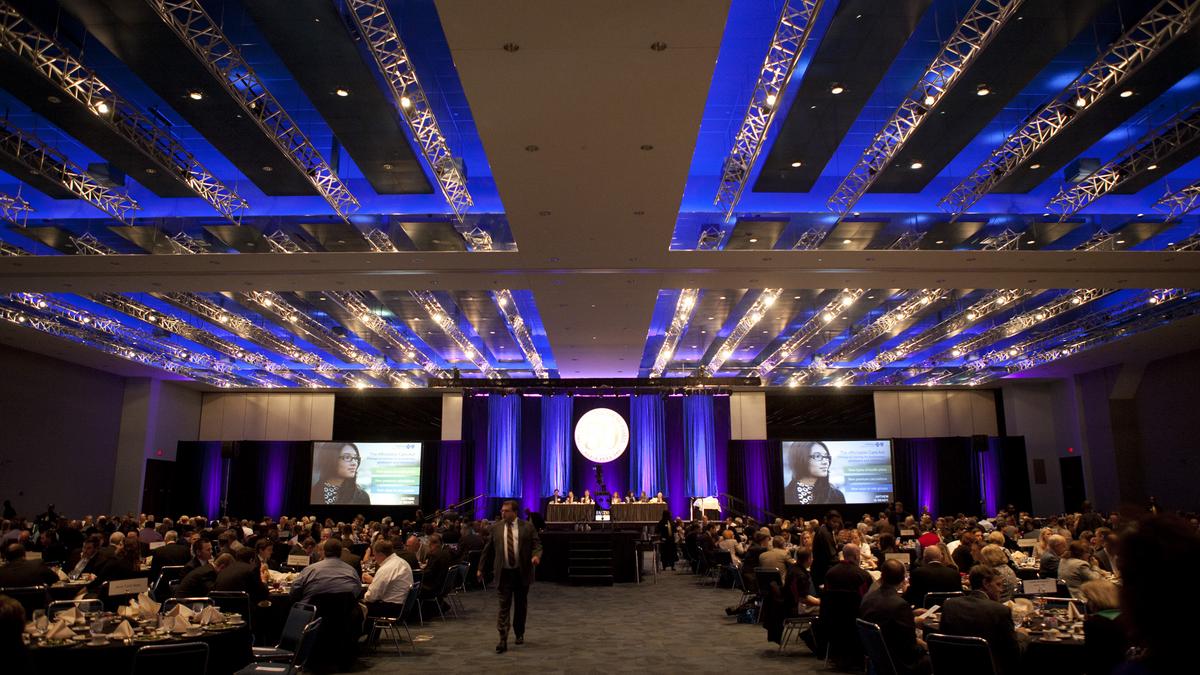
(155, 416)
(748, 415)
(1045, 414)
(266, 417)
(935, 413)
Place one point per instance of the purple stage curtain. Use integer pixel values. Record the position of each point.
(647, 444)
(988, 462)
(449, 472)
(754, 477)
(212, 478)
(275, 461)
(556, 444)
(504, 445)
(699, 441)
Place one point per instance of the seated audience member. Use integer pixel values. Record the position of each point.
(968, 548)
(202, 553)
(307, 546)
(469, 540)
(199, 582)
(126, 564)
(1074, 569)
(264, 550)
(776, 557)
(980, 614)
(50, 547)
(349, 558)
(847, 574)
(437, 565)
(993, 556)
(1104, 637)
(89, 557)
(17, 660)
(887, 609)
(750, 560)
(1106, 556)
(731, 546)
(171, 553)
(329, 575)
(20, 571)
(929, 537)
(932, 576)
(412, 546)
(243, 574)
(390, 584)
(1056, 546)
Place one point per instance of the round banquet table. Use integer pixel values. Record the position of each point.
(228, 652)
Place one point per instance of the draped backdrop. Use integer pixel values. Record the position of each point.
(504, 445)
(647, 444)
(556, 444)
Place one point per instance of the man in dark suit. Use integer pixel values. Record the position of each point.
(934, 576)
(169, 554)
(980, 614)
(437, 565)
(848, 574)
(243, 574)
(513, 550)
(885, 608)
(22, 572)
(198, 582)
(412, 545)
(824, 547)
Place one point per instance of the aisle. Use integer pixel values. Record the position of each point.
(674, 626)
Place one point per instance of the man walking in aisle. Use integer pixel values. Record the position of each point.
(513, 550)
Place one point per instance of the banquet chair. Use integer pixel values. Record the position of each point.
(952, 654)
(473, 560)
(233, 601)
(835, 630)
(447, 589)
(718, 561)
(30, 597)
(87, 605)
(337, 644)
(300, 658)
(878, 657)
(299, 616)
(391, 625)
(457, 586)
(185, 658)
(166, 575)
(939, 598)
(194, 604)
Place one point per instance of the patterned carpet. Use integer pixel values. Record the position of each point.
(673, 626)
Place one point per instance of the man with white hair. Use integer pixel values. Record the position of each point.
(1056, 546)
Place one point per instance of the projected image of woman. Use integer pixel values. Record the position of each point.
(809, 463)
(336, 466)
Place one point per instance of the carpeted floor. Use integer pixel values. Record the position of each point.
(673, 626)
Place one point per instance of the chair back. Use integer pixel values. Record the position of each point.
(338, 642)
(473, 559)
(299, 616)
(232, 601)
(877, 651)
(30, 597)
(449, 582)
(950, 654)
(765, 576)
(166, 575)
(185, 658)
(194, 604)
(304, 648)
(940, 598)
(88, 605)
(410, 601)
(839, 610)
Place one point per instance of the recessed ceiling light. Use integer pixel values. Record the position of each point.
(151, 170)
(915, 165)
(722, 297)
(939, 242)
(268, 169)
(53, 99)
(1034, 167)
(1031, 241)
(1127, 93)
(836, 89)
(710, 318)
(387, 167)
(532, 148)
(346, 92)
(511, 47)
(1140, 215)
(1120, 241)
(647, 147)
(982, 90)
(753, 240)
(197, 95)
(658, 46)
(1152, 167)
(797, 165)
(845, 241)
(870, 297)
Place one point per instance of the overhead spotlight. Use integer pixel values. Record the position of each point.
(753, 240)
(827, 316)
(102, 107)
(1120, 241)
(293, 318)
(797, 164)
(1127, 93)
(929, 100)
(223, 318)
(1013, 351)
(1040, 316)
(1001, 300)
(956, 352)
(982, 90)
(771, 98)
(1080, 101)
(971, 316)
(1152, 167)
(1140, 215)
(939, 242)
(1154, 299)
(925, 300)
(793, 382)
(847, 300)
(405, 102)
(346, 92)
(1076, 300)
(195, 94)
(915, 165)
(1031, 242)
(836, 89)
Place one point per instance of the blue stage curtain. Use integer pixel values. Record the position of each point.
(556, 444)
(699, 442)
(504, 445)
(647, 445)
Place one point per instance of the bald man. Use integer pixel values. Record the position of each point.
(847, 574)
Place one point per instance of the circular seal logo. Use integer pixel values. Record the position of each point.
(601, 435)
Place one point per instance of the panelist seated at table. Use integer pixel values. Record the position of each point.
(630, 499)
(658, 498)
(587, 498)
(615, 498)
(556, 498)
(570, 497)
(20, 571)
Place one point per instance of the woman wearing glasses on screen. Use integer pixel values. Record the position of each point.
(337, 480)
(809, 463)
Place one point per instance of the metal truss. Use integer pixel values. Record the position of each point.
(196, 29)
(1023, 322)
(355, 303)
(911, 306)
(972, 35)
(1157, 30)
(380, 241)
(39, 158)
(791, 34)
(7, 249)
(1143, 156)
(520, 330)
(379, 32)
(430, 304)
(14, 209)
(1179, 203)
(811, 329)
(59, 67)
(747, 323)
(685, 306)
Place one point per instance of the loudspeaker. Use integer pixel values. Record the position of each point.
(230, 449)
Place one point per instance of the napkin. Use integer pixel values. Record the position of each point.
(211, 615)
(59, 631)
(181, 610)
(69, 616)
(177, 624)
(146, 605)
(62, 576)
(123, 632)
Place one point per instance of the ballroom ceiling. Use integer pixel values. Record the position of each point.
(393, 193)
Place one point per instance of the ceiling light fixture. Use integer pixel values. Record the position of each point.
(1034, 167)
(1127, 93)
(915, 165)
(102, 107)
(771, 98)
(197, 95)
(797, 164)
(405, 102)
(982, 90)
(1152, 167)
(346, 92)
(836, 89)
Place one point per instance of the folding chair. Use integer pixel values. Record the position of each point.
(161, 590)
(185, 658)
(950, 654)
(304, 649)
(391, 625)
(31, 597)
(299, 616)
(877, 651)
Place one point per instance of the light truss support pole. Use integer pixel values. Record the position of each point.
(972, 35)
(375, 23)
(39, 158)
(56, 64)
(791, 34)
(1152, 34)
(196, 29)
(1145, 155)
(685, 307)
(1179, 203)
(14, 209)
